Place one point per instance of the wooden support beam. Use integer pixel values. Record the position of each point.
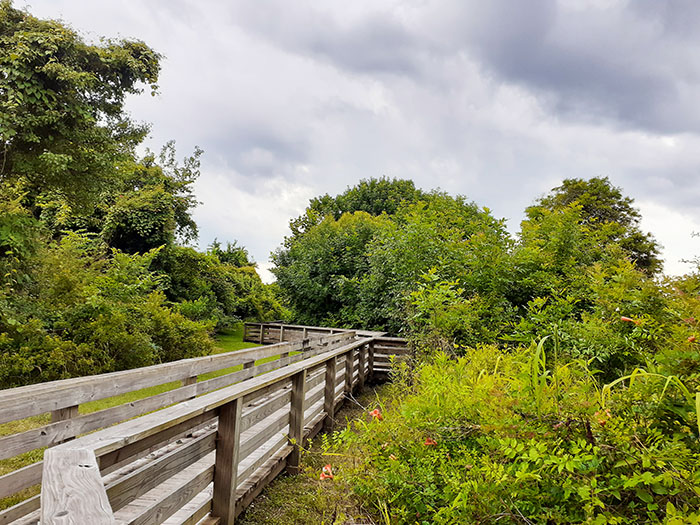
(349, 361)
(370, 358)
(281, 333)
(296, 420)
(262, 333)
(226, 469)
(362, 354)
(61, 415)
(329, 394)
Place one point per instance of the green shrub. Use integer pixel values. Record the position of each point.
(521, 441)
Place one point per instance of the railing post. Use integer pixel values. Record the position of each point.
(296, 421)
(361, 371)
(370, 358)
(62, 414)
(349, 361)
(281, 333)
(304, 334)
(329, 394)
(262, 333)
(226, 469)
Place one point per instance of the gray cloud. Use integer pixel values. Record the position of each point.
(497, 100)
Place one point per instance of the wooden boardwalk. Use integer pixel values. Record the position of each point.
(196, 454)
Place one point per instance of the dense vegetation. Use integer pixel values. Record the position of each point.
(95, 274)
(557, 374)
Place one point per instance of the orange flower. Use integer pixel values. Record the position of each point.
(376, 414)
(430, 441)
(602, 416)
(629, 320)
(691, 339)
(326, 473)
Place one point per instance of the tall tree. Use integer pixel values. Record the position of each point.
(62, 120)
(604, 208)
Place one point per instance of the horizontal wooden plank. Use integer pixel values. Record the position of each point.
(263, 431)
(157, 471)
(27, 509)
(114, 438)
(20, 479)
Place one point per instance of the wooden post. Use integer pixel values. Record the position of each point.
(262, 333)
(303, 337)
(72, 490)
(370, 358)
(61, 415)
(296, 420)
(349, 360)
(281, 333)
(362, 352)
(329, 394)
(226, 469)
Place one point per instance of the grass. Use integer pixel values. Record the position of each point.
(228, 341)
(304, 499)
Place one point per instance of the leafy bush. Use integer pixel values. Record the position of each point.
(497, 437)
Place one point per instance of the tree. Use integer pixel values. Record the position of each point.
(604, 208)
(62, 120)
(373, 196)
(152, 205)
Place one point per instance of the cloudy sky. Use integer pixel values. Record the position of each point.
(497, 100)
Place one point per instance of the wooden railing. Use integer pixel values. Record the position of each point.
(195, 459)
(61, 400)
(276, 332)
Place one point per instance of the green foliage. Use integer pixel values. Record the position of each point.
(603, 207)
(518, 441)
(83, 310)
(212, 285)
(374, 196)
(321, 272)
(62, 123)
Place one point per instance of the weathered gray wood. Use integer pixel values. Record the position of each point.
(267, 472)
(227, 449)
(329, 392)
(349, 362)
(73, 492)
(156, 472)
(296, 420)
(254, 461)
(262, 432)
(362, 353)
(370, 358)
(20, 479)
(192, 485)
(25, 509)
(277, 400)
(22, 402)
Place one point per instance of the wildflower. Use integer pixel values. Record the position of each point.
(691, 339)
(376, 414)
(385, 445)
(326, 473)
(430, 441)
(629, 320)
(392, 457)
(602, 416)
(689, 320)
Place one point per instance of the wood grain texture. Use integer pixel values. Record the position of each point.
(296, 420)
(329, 392)
(226, 472)
(73, 492)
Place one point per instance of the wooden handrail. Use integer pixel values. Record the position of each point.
(234, 432)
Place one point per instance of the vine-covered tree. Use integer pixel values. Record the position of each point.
(62, 120)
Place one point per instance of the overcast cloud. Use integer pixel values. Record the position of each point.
(497, 100)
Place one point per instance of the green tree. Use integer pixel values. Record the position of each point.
(373, 196)
(604, 207)
(62, 120)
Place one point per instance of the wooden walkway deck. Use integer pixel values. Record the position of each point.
(199, 453)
